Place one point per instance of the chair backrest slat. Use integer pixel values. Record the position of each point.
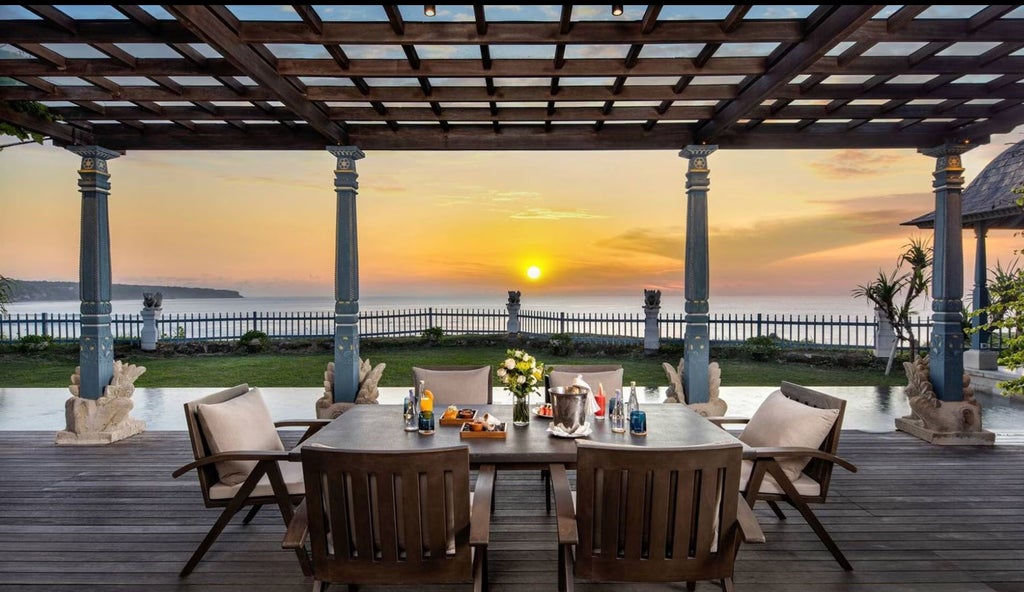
(656, 514)
(392, 518)
(817, 469)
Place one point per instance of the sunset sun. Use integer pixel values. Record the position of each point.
(533, 272)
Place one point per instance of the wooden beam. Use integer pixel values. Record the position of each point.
(650, 20)
(140, 16)
(565, 20)
(43, 53)
(395, 18)
(204, 22)
(480, 18)
(58, 131)
(116, 53)
(832, 30)
(987, 15)
(732, 21)
(521, 137)
(904, 16)
(996, 61)
(1001, 88)
(53, 16)
(309, 16)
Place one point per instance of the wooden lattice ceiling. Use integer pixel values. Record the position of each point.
(573, 77)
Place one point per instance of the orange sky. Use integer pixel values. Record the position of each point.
(782, 222)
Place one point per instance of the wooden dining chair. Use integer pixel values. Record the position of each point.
(240, 460)
(793, 438)
(652, 515)
(398, 518)
(608, 376)
(456, 385)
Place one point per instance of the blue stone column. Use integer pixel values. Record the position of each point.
(979, 339)
(698, 352)
(346, 276)
(946, 364)
(96, 355)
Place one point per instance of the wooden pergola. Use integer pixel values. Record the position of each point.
(940, 79)
(657, 77)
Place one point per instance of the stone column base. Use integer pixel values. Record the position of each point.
(326, 409)
(915, 427)
(981, 359)
(716, 408)
(127, 428)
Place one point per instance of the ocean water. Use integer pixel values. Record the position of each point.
(838, 305)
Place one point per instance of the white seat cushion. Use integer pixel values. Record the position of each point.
(805, 486)
(239, 424)
(458, 387)
(291, 471)
(781, 422)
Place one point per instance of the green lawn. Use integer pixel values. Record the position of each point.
(306, 370)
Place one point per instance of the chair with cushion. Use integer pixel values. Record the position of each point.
(238, 457)
(608, 376)
(562, 375)
(456, 385)
(792, 440)
(398, 518)
(652, 515)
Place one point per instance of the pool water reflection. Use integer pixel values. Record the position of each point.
(868, 408)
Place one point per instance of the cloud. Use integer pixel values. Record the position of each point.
(665, 242)
(549, 214)
(846, 164)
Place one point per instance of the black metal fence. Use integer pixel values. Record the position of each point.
(796, 331)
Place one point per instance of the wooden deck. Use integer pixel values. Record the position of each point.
(915, 518)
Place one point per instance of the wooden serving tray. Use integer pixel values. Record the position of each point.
(457, 421)
(499, 434)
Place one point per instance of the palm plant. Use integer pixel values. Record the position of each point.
(887, 291)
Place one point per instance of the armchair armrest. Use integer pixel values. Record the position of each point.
(564, 507)
(480, 516)
(258, 455)
(312, 426)
(750, 529)
(298, 528)
(796, 452)
(720, 420)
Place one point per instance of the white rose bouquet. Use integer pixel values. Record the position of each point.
(521, 374)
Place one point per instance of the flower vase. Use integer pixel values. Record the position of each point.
(520, 410)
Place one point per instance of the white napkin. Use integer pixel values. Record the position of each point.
(490, 419)
(580, 431)
(591, 400)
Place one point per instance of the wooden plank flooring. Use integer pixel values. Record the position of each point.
(915, 518)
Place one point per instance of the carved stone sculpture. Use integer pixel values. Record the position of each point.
(676, 393)
(152, 300)
(937, 421)
(652, 298)
(368, 393)
(105, 419)
(514, 296)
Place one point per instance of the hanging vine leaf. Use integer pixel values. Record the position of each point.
(32, 109)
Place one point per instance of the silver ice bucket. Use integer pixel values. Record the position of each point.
(569, 406)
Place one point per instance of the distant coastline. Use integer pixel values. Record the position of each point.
(42, 291)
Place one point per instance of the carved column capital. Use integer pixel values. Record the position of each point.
(698, 154)
(94, 158)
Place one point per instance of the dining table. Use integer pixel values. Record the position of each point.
(373, 428)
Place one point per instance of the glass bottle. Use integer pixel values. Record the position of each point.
(410, 412)
(634, 403)
(426, 416)
(617, 415)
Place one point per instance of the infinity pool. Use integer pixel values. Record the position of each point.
(871, 409)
